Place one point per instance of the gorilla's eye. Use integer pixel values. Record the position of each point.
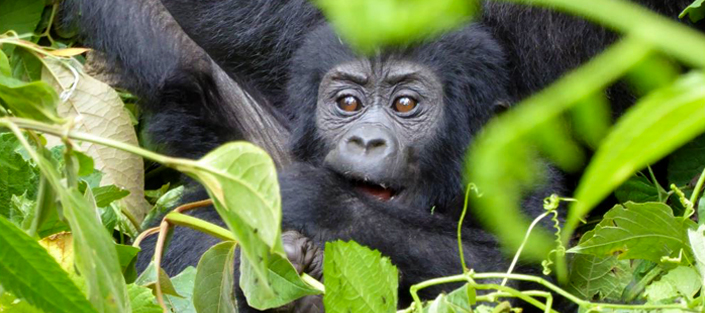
(349, 103)
(404, 104)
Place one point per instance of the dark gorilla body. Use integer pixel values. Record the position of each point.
(377, 142)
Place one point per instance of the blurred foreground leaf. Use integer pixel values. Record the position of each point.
(370, 24)
(22, 16)
(655, 126)
(358, 279)
(29, 272)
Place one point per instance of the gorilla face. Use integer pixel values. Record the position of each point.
(372, 115)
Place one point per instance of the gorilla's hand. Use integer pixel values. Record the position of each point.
(306, 258)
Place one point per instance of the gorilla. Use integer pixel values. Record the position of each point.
(369, 148)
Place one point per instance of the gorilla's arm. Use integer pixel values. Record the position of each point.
(194, 105)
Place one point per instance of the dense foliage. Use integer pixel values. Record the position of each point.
(73, 204)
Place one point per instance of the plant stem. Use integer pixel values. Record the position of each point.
(59, 132)
(698, 188)
(198, 224)
(523, 243)
(460, 228)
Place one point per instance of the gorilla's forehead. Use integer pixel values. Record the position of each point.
(390, 70)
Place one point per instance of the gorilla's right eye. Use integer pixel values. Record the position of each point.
(349, 103)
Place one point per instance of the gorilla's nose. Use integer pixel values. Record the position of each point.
(367, 152)
(370, 142)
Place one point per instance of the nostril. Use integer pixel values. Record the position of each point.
(356, 141)
(376, 143)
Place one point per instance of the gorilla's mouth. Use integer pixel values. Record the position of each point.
(379, 192)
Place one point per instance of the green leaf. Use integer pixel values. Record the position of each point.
(126, 255)
(17, 176)
(358, 279)
(282, 279)
(29, 272)
(695, 11)
(104, 195)
(241, 179)
(685, 280)
(25, 65)
(5, 65)
(22, 16)
(646, 231)
(440, 305)
(697, 242)
(34, 100)
(598, 278)
(148, 278)
(660, 292)
(637, 189)
(163, 205)
(96, 258)
(183, 283)
(142, 299)
(369, 24)
(659, 123)
(20, 209)
(687, 162)
(213, 289)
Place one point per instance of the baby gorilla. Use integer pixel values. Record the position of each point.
(380, 142)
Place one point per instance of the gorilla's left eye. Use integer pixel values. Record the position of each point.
(404, 104)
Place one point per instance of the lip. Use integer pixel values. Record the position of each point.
(377, 191)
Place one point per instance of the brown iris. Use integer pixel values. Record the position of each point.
(349, 103)
(404, 104)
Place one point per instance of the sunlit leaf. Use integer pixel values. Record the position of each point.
(183, 283)
(213, 288)
(35, 100)
(358, 279)
(598, 278)
(142, 299)
(646, 231)
(28, 271)
(5, 65)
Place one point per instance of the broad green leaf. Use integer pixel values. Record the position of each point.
(5, 65)
(370, 24)
(25, 65)
(17, 176)
(598, 278)
(591, 119)
(695, 11)
(34, 100)
(164, 204)
(646, 231)
(282, 279)
(440, 305)
(213, 289)
(102, 114)
(685, 280)
(20, 209)
(95, 255)
(687, 162)
(28, 271)
(104, 195)
(11, 304)
(142, 299)
(697, 242)
(460, 300)
(358, 279)
(184, 286)
(637, 189)
(659, 123)
(148, 278)
(126, 255)
(241, 179)
(660, 292)
(22, 16)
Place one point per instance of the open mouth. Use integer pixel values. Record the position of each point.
(380, 192)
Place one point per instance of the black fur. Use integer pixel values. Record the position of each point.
(278, 51)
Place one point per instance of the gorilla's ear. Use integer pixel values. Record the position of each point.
(500, 106)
